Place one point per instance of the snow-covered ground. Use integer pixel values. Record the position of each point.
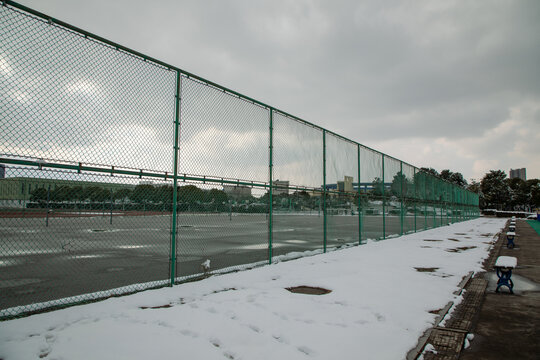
(382, 295)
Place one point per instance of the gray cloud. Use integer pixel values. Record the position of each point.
(444, 75)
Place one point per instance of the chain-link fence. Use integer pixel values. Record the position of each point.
(120, 173)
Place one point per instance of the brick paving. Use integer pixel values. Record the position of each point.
(508, 326)
(505, 326)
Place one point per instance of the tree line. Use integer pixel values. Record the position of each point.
(497, 191)
(138, 194)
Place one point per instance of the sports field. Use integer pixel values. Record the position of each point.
(77, 255)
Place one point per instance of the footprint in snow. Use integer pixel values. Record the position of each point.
(189, 333)
(50, 338)
(215, 342)
(280, 339)
(254, 328)
(305, 350)
(44, 351)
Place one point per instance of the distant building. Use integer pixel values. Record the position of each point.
(154, 183)
(237, 191)
(346, 185)
(280, 187)
(518, 173)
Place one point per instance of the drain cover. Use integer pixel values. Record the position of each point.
(309, 290)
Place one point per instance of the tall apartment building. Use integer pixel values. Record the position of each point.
(281, 187)
(518, 173)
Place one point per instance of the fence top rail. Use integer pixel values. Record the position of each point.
(145, 57)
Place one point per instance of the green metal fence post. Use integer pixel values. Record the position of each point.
(425, 201)
(447, 202)
(452, 201)
(271, 183)
(383, 202)
(441, 205)
(324, 190)
(401, 210)
(110, 219)
(178, 101)
(48, 210)
(415, 197)
(433, 203)
(359, 197)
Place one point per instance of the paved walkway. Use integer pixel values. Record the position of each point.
(508, 326)
(504, 326)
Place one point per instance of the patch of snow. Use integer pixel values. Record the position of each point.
(206, 265)
(429, 349)
(377, 295)
(506, 262)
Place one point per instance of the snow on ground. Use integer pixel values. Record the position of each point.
(379, 306)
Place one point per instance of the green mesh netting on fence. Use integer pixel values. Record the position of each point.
(121, 173)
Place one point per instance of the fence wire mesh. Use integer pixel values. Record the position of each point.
(120, 173)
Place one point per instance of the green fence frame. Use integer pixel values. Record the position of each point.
(429, 191)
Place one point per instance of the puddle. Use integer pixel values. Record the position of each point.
(260, 246)
(17, 282)
(309, 290)
(132, 246)
(27, 231)
(32, 252)
(296, 241)
(85, 256)
(10, 262)
(520, 283)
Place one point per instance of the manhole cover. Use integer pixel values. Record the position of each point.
(309, 290)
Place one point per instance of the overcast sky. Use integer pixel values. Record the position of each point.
(443, 84)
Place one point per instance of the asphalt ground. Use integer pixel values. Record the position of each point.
(507, 325)
(495, 325)
(43, 260)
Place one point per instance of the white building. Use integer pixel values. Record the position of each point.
(280, 187)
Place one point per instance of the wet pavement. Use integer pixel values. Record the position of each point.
(490, 325)
(508, 326)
